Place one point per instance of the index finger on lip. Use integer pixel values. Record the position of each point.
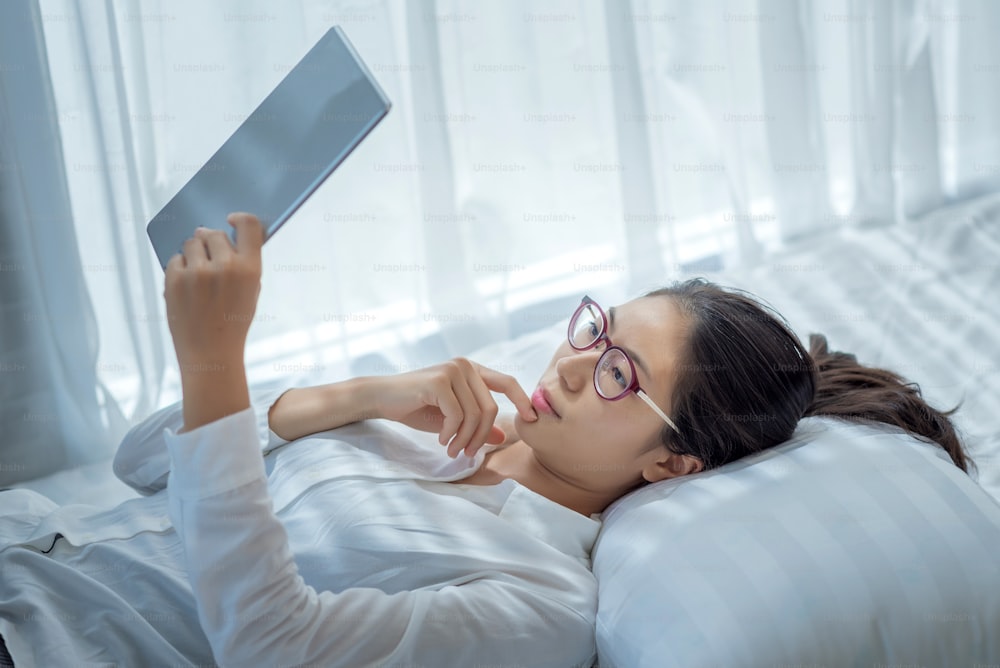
(508, 385)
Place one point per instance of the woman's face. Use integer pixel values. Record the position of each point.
(596, 444)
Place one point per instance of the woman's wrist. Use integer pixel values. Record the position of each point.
(211, 391)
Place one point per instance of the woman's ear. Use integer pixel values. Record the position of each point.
(671, 465)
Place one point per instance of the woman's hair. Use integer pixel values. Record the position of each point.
(744, 380)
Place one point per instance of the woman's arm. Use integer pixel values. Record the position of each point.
(282, 415)
(302, 411)
(309, 410)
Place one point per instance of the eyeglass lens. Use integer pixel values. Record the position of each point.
(613, 374)
(586, 326)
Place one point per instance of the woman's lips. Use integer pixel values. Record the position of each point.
(541, 403)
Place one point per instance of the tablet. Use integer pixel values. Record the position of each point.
(302, 131)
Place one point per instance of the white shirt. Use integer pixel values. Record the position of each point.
(345, 548)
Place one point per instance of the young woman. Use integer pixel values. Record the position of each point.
(367, 550)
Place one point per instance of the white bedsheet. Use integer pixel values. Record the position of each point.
(920, 300)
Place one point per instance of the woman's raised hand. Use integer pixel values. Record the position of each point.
(211, 291)
(452, 399)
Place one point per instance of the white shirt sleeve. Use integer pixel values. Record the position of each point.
(141, 461)
(255, 608)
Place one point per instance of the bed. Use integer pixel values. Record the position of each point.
(918, 299)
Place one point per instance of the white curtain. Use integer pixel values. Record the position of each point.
(535, 151)
(51, 396)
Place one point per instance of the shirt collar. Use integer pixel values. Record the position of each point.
(559, 526)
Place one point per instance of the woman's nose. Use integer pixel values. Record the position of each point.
(577, 369)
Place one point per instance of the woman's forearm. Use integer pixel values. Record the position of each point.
(302, 411)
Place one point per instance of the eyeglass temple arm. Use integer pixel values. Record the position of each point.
(645, 397)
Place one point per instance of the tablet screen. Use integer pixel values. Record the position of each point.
(283, 151)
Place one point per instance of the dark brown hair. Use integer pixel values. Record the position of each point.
(745, 380)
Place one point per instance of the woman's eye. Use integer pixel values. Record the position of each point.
(619, 377)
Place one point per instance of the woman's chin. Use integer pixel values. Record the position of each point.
(522, 426)
(534, 431)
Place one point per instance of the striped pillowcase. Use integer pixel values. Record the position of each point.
(850, 544)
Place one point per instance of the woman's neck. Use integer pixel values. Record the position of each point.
(518, 461)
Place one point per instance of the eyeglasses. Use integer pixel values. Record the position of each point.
(614, 375)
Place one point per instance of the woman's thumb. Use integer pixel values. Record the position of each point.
(496, 436)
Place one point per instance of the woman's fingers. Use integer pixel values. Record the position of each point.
(451, 408)
(218, 244)
(175, 264)
(194, 252)
(462, 408)
(497, 436)
(471, 410)
(250, 235)
(476, 431)
(487, 409)
(508, 385)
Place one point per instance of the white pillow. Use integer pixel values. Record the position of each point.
(848, 545)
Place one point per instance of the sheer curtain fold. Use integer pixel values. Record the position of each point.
(790, 62)
(450, 292)
(54, 404)
(122, 139)
(640, 219)
(534, 152)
